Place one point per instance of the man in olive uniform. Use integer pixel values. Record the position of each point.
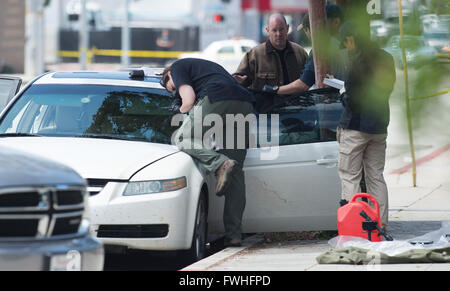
(206, 88)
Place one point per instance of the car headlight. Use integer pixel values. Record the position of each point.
(152, 187)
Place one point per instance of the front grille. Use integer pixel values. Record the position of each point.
(19, 199)
(67, 225)
(69, 198)
(18, 227)
(133, 231)
(41, 212)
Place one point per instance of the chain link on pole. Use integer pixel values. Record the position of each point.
(408, 107)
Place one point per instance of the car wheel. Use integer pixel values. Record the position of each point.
(199, 239)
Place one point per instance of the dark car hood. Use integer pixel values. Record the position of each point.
(20, 169)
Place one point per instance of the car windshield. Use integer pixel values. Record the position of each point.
(94, 111)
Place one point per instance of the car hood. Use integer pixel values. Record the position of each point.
(19, 169)
(94, 158)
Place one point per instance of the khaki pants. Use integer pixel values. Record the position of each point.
(357, 150)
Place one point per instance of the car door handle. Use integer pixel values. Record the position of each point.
(326, 161)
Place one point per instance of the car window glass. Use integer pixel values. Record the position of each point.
(74, 110)
(226, 50)
(308, 118)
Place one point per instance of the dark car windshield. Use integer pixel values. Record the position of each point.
(92, 111)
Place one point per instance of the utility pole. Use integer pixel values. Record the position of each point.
(125, 58)
(317, 19)
(34, 44)
(84, 35)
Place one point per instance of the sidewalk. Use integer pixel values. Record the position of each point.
(413, 212)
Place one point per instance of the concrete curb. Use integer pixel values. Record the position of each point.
(224, 255)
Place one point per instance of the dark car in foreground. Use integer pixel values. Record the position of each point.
(43, 216)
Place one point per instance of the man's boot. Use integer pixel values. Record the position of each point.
(223, 175)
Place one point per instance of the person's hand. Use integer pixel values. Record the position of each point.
(176, 105)
(270, 89)
(240, 78)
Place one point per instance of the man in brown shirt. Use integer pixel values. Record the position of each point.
(276, 62)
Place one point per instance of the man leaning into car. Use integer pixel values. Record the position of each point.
(206, 89)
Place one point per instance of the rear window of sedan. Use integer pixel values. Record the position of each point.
(131, 113)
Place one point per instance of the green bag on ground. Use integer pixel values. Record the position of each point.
(359, 256)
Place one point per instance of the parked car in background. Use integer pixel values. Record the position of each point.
(227, 53)
(44, 215)
(116, 130)
(436, 32)
(429, 21)
(418, 53)
(440, 40)
(379, 31)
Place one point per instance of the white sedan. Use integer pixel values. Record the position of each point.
(146, 194)
(227, 53)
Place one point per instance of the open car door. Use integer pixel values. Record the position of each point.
(294, 186)
(9, 86)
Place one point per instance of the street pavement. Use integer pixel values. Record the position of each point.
(413, 211)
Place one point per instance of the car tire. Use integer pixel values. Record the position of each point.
(199, 239)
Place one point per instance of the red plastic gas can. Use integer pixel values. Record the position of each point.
(350, 222)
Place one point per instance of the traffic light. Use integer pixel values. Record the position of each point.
(219, 18)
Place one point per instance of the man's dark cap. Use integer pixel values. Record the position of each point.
(334, 11)
(305, 22)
